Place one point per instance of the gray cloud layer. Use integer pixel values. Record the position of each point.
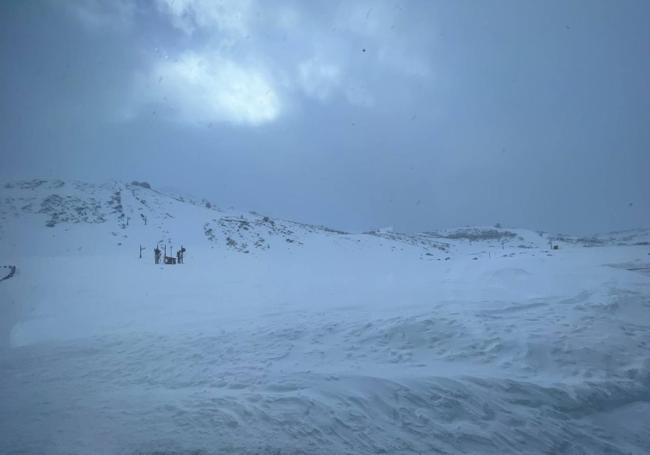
(356, 114)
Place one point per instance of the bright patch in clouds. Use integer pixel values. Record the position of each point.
(200, 88)
(318, 79)
(226, 60)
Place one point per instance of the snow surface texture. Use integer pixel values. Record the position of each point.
(279, 337)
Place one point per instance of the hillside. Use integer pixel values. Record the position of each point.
(129, 214)
(282, 337)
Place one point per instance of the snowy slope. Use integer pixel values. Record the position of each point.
(280, 337)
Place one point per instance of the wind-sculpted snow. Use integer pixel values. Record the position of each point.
(276, 337)
(328, 384)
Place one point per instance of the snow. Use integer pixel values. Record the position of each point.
(299, 339)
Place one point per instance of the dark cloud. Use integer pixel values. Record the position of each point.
(360, 114)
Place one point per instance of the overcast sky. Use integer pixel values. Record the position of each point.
(352, 114)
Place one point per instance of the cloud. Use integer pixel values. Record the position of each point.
(318, 79)
(209, 88)
(229, 60)
(322, 81)
(381, 24)
(97, 14)
(226, 16)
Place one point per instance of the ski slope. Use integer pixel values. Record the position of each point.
(281, 337)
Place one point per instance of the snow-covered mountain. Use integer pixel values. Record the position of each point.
(131, 214)
(123, 214)
(282, 337)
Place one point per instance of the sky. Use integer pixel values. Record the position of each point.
(417, 115)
